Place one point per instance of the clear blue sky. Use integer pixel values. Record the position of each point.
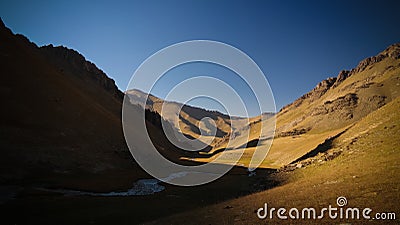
(296, 43)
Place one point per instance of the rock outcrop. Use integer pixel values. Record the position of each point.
(392, 51)
(314, 94)
(339, 101)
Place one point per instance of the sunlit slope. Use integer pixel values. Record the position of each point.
(326, 111)
(340, 101)
(366, 173)
(195, 123)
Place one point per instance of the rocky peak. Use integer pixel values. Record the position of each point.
(393, 51)
(325, 84)
(343, 75)
(2, 25)
(7, 36)
(66, 60)
(71, 60)
(321, 88)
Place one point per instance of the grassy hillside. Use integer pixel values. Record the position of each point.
(366, 173)
(328, 110)
(189, 120)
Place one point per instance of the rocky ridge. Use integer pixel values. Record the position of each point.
(69, 59)
(393, 51)
(339, 101)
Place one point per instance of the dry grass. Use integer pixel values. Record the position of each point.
(366, 174)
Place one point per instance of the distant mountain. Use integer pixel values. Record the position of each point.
(189, 119)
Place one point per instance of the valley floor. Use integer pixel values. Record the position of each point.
(365, 173)
(37, 206)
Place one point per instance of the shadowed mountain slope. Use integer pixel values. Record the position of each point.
(60, 113)
(61, 117)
